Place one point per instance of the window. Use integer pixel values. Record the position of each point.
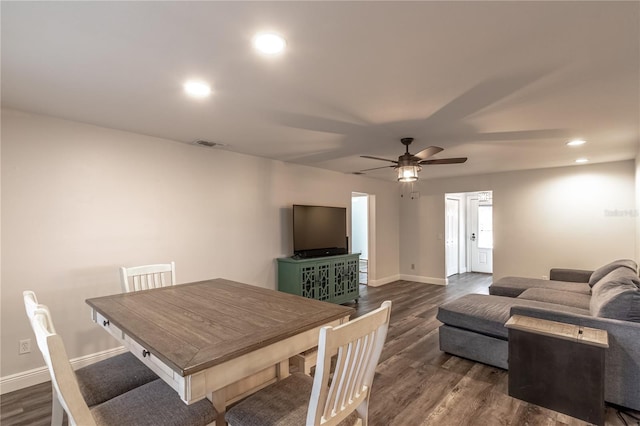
(485, 227)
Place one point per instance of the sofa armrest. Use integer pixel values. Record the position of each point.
(570, 275)
(622, 381)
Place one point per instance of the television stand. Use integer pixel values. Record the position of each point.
(330, 279)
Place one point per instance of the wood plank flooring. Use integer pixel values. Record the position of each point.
(415, 383)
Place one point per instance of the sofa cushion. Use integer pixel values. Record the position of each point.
(487, 314)
(567, 298)
(599, 273)
(571, 275)
(617, 296)
(514, 286)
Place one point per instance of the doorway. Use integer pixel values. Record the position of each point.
(452, 235)
(468, 232)
(481, 231)
(360, 232)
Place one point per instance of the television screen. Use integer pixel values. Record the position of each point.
(319, 231)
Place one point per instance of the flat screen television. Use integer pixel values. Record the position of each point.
(319, 231)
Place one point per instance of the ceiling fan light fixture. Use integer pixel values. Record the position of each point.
(408, 173)
(408, 165)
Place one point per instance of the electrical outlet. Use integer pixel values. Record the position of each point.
(25, 346)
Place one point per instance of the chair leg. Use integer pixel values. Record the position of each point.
(305, 361)
(363, 413)
(57, 412)
(219, 401)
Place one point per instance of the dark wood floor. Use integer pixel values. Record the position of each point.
(415, 383)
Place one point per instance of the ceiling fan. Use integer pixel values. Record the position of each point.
(408, 165)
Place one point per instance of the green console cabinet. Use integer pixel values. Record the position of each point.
(330, 279)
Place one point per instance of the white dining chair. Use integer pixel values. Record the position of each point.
(330, 398)
(145, 277)
(100, 381)
(154, 403)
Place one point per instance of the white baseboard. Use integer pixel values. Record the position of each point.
(425, 280)
(383, 281)
(416, 278)
(39, 375)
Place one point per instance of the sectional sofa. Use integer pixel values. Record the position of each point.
(607, 298)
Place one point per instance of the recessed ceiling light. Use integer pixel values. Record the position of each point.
(582, 160)
(576, 142)
(197, 89)
(269, 43)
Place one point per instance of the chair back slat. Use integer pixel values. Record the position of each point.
(358, 345)
(370, 338)
(361, 355)
(338, 374)
(343, 390)
(148, 276)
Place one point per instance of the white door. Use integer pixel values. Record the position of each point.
(452, 225)
(481, 236)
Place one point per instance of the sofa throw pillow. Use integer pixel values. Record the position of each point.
(617, 296)
(599, 273)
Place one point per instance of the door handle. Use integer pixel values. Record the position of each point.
(473, 237)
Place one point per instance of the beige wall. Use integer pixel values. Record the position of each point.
(637, 210)
(561, 217)
(78, 201)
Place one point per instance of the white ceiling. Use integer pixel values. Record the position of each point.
(505, 84)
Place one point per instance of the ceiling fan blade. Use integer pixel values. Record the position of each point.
(378, 158)
(445, 161)
(314, 123)
(377, 168)
(428, 152)
(522, 135)
(483, 95)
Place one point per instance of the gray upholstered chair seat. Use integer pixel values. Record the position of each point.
(285, 404)
(111, 377)
(152, 404)
(566, 298)
(514, 286)
(486, 314)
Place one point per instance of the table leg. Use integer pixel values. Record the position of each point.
(282, 369)
(219, 401)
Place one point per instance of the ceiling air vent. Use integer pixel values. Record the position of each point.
(208, 144)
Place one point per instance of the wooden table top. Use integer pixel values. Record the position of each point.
(194, 326)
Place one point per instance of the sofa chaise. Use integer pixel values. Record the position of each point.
(607, 298)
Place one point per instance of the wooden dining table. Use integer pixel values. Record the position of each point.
(215, 339)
